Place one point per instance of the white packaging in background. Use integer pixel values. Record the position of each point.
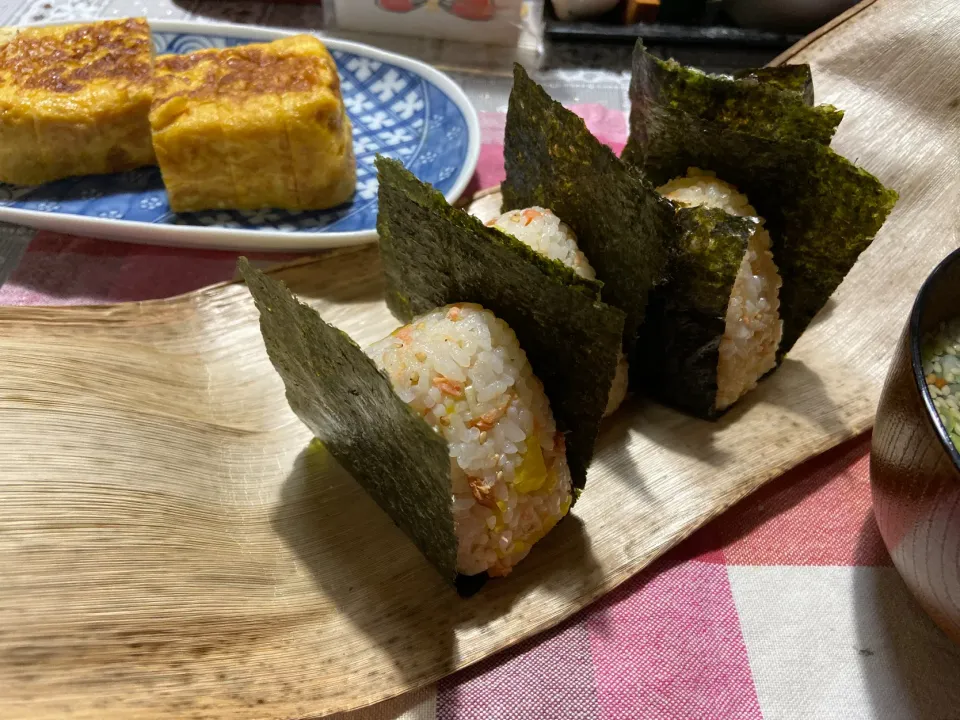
(495, 22)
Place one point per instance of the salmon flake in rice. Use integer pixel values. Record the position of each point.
(464, 372)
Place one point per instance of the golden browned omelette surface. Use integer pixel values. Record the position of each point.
(251, 127)
(75, 100)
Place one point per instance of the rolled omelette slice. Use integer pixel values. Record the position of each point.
(189, 140)
(252, 127)
(74, 100)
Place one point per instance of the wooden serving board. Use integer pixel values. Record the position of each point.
(168, 549)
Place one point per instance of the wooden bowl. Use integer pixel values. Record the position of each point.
(915, 468)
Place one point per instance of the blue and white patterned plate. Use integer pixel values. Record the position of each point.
(398, 107)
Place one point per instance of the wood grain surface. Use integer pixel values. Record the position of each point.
(168, 549)
(914, 477)
(916, 497)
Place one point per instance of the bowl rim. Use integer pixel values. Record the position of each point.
(916, 362)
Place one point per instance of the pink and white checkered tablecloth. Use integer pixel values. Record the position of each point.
(785, 607)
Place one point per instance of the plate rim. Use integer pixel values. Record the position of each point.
(222, 238)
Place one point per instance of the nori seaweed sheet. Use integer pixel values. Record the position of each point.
(338, 392)
(679, 346)
(791, 78)
(660, 91)
(434, 255)
(821, 210)
(621, 222)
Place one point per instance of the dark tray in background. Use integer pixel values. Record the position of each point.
(716, 32)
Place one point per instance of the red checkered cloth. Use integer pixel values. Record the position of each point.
(785, 607)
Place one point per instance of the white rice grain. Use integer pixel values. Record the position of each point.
(463, 370)
(543, 231)
(752, 332)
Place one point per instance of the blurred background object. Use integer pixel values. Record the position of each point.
(495, 22)
(772, 24)
(703, 23)
(640, 11)
(570, 9)
(800, 16)
(715, 35)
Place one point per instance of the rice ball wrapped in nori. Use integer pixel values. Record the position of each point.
(442, 423)
(434, 255)
(763, 135)
(463, 371)
(540, 229)
(733, 264)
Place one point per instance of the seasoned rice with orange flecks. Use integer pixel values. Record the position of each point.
(543, 231)
(463, 370)
(748, 348)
